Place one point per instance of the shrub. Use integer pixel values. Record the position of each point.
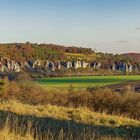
(23, 76)
(99, 99)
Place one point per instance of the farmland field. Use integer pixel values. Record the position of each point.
(86, 81)
(81, 56)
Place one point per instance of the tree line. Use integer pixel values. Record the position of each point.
(53, 52)
(22, 51)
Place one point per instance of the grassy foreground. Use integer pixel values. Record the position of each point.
(79, 115)
(86, 81)
(7, 135)
(29, 111)
(65, 122)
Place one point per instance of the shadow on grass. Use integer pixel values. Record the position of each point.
(42, 126)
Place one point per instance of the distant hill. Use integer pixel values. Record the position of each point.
(22, 51)
(133, 56)
(53, 52)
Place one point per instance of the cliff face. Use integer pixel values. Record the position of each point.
(49, 58)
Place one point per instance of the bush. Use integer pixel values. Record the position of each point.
(9, 89)
(23, 76)
(99, 99)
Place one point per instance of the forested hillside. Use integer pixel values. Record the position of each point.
(52, 59)
(22, 51)
(26, 51)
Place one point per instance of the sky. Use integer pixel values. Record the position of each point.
(111, 26)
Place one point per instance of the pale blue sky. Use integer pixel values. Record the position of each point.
(105, 25)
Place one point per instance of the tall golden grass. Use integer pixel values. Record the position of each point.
(42, 122)
(24, 121)
(29, 111)
(106, 100)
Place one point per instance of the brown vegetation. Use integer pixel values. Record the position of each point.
(67, 114)
(22, 51)
(42, 122)
(106, 100)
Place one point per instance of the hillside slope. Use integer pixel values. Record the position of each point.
(79, 121)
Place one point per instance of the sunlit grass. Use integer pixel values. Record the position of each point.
(86, 81)
(80, 115)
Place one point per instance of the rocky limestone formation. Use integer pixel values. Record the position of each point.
(113, 67)
(34, 63)
(95, 65)
(10, 65)
(51, 66)
(66, 64)
(84, 64)
(125, 67)
(16, 67)
(130, 67)
(57, 65)
(46, 64)
(77, 64)
(98, 65)
(1, 67)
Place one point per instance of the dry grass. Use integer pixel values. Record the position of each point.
(7, 135)
(80, 115)
(98, 100)
(28, 101)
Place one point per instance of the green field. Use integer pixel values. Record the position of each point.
(86, 81)
(82, 56)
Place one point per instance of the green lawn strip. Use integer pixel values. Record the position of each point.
(86, 81)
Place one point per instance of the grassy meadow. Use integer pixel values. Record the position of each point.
(86, 81)
(30, 111)
(81, 56)
(50, 122)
